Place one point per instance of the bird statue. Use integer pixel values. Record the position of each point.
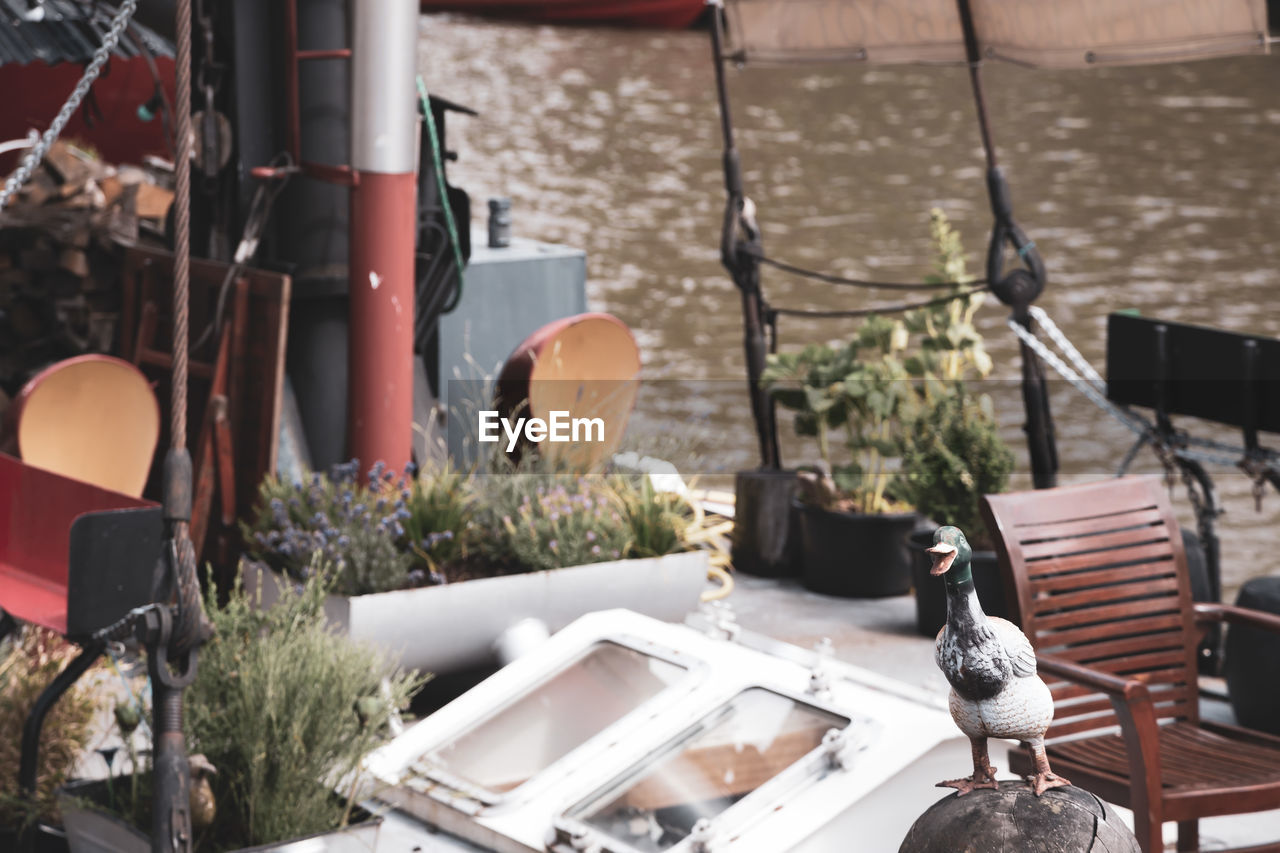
(995, 691)
(204, 808)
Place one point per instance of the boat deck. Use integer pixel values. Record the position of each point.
(875, 634)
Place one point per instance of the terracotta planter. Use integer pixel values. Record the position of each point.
(441, 629)
(91, 830)
(855, 555)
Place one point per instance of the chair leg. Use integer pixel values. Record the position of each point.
(27, 768)
(1188, 836)
(1149, 830)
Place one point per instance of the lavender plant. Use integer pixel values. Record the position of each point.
(356, 527)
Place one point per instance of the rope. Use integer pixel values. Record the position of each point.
(190, 627)
(182, 229)
(1087, 381)
(850, 282)
(109, 41)
(438, 160)
(885, 309)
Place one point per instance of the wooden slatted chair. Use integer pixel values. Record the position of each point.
(1098, 581)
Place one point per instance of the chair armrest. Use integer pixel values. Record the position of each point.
(1137, 718)
(1206, 612)
(1123, 688)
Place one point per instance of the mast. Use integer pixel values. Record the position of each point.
(1019, 287)
(740, 247)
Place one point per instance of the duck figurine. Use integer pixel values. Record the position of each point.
(995, 691)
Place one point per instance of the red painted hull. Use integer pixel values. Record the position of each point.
(34, 93)
(662, 14)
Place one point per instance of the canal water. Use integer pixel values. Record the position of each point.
(1149, 188)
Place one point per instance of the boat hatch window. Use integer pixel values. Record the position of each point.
(504, 750)
(709, 767)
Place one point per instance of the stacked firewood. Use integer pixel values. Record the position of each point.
(60, 249)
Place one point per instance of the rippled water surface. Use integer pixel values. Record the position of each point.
(1148, 188)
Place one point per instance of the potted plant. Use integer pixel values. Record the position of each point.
(952, 452)
(281, 712)
(476, 554)
(953, 456)
(852, 531)
(30, 658)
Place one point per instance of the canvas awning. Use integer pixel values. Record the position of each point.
(1041, 33)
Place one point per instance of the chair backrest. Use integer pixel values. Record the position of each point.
(94, 418)
(1096, 575)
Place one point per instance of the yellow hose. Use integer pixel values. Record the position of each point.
(726, 584)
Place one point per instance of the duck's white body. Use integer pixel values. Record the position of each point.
(991, 655)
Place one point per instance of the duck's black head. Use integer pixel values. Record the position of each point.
(951, 554)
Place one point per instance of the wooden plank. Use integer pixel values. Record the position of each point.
(1101, 577)
(1095, 542)
(1080, 600)
(1135, 554)
(1069, 637)
(1143, 516)
(1111, 613)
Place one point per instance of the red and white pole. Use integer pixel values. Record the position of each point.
(384, 117)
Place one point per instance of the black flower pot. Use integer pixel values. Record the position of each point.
(853, 554)
(763, 528)
(931, 592)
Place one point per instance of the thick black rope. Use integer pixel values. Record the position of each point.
(867, 312)
(829, 278)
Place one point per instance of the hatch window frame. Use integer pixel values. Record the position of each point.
(572, 834)
(449, 786)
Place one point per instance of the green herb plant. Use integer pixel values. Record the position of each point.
(859, 392)
(280, 705)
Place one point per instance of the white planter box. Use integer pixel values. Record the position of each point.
(446, 628)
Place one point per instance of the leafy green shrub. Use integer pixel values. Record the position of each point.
(29, 661)
(274, 708)
(953, 456)
(862, 388)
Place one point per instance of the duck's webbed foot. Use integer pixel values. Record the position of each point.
(1042, 782)
(984, 775)
(1044, 779)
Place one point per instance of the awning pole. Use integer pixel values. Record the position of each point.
(739, 250)
(1020, 287)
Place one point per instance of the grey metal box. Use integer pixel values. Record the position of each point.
(507, 294)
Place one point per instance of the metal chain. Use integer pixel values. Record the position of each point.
(1094, 388)
(28, 167)
(1060, 340)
